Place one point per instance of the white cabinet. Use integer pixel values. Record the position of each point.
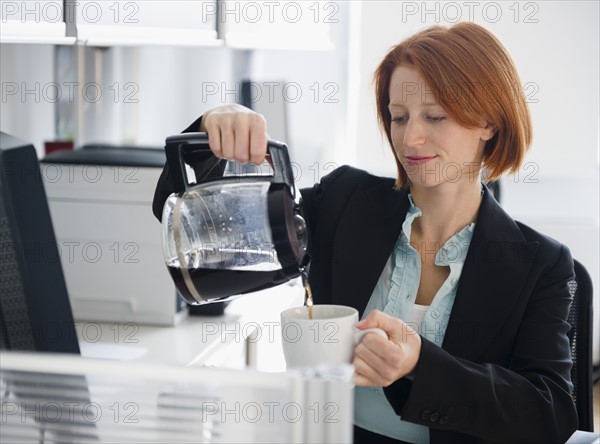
(110, 22)
(236, 23)
(145, 22)
(277, 24)
(33, 21)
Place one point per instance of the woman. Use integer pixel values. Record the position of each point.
(474, 303)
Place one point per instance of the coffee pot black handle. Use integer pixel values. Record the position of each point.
(193, 149)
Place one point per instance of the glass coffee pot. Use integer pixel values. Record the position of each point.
(229, 228)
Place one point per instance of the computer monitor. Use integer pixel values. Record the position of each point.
(35, 313)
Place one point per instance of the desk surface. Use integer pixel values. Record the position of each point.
(201, 340)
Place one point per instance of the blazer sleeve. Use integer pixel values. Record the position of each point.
(322, 208)
(528, 400)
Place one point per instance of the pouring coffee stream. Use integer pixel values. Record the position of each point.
(227, 230)
(308, 299)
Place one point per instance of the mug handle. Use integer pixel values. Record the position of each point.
(360, 334)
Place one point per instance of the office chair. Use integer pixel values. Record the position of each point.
(580, 338)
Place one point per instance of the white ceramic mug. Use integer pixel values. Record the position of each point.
(328, 338)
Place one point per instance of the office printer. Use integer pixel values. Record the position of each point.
(100, 199)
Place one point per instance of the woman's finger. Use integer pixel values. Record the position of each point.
(258, 140)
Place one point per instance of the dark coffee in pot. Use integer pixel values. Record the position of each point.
(214, 284)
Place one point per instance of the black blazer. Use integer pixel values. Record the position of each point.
(503, 371)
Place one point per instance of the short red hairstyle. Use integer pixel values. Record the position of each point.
(473, 78)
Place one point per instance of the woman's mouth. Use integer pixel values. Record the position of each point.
(418, 160)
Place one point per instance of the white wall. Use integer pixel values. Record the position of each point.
(140, 95)
(174, 86)
(314, 87)
(27, 113)
(152, 91)
(557, 57)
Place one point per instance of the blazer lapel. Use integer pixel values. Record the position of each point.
(496, 267)
(368, 229)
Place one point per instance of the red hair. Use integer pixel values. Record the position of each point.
(472, 77)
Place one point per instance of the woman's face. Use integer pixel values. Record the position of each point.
(431, 146)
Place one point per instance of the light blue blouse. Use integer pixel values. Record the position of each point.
(395, 295)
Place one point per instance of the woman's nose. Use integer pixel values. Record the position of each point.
(414, 133)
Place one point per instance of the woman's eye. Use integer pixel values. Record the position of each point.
(399, 119)
(436, 119)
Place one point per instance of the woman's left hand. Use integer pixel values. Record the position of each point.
(379, 362)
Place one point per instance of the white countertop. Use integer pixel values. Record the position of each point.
(251, 319)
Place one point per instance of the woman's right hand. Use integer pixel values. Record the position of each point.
(236, 133)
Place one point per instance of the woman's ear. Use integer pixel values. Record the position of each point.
(488, 131)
